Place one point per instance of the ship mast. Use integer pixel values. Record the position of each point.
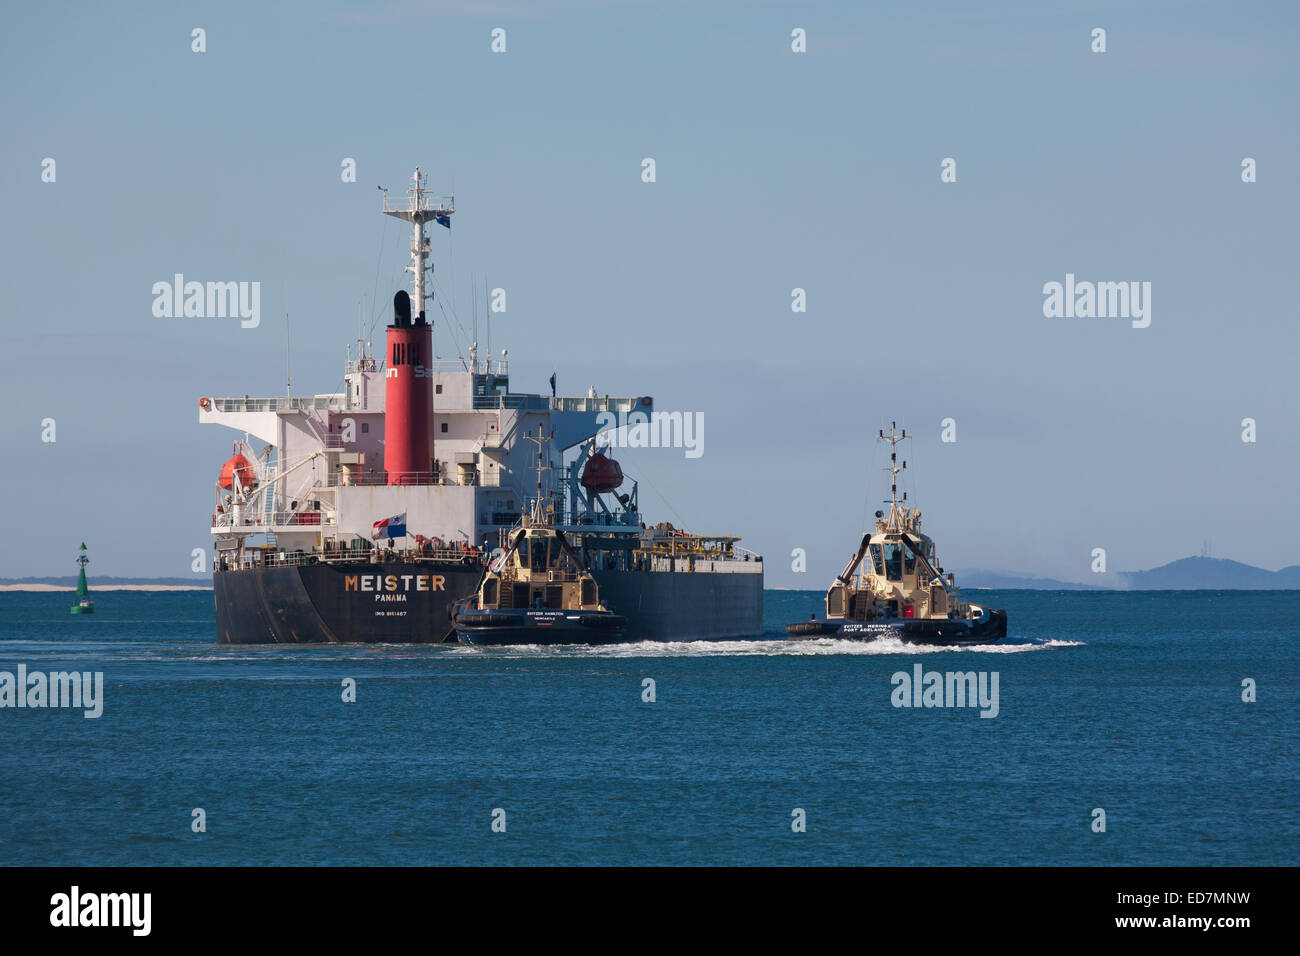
(420, 206)
(896, 516)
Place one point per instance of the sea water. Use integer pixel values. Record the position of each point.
(1115, 709)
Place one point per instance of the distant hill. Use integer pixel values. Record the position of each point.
(1189, 574)
(1185, 574)
(1001, 581)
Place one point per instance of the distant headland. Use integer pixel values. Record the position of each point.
(1185, 574)
(68, 583)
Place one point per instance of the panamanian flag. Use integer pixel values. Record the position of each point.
(394, 527)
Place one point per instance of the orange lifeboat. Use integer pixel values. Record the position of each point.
(237, 465)
(601, 474)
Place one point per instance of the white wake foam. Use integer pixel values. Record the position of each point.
(756, 648)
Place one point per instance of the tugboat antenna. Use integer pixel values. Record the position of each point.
(894, 437)
(541, 440)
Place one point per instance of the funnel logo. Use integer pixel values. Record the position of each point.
(212, 300)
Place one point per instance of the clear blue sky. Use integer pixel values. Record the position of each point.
(775, 171)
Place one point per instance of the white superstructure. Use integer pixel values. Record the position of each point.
(320, 479)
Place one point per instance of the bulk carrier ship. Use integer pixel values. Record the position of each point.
(369, 513)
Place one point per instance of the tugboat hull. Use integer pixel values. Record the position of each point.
(538, 626)
(990, 627)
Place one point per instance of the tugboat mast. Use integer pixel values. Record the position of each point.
(895, 522)
(539, 516)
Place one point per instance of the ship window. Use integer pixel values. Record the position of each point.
(444, 427)
(877, 564)
(538, 554)
(909, 560)
(437, 389)
(893, 554)
(365, 427)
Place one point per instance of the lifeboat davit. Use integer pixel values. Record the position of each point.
(601, 474)
(237, 465)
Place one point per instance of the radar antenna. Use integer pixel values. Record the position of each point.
(896, 514)
(538, 516)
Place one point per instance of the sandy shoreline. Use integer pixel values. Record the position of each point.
(107, 587)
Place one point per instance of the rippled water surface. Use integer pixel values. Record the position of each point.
(1127, 702)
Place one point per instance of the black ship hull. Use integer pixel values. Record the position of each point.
(538, 626)
(410, 603)
(684, 605)
(390, 603)
(983, 630)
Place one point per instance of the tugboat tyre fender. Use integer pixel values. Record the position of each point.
(807, 627)
(495, 620)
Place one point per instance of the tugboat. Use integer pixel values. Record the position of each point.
(900, 592)
(83, 605)
(538, 590)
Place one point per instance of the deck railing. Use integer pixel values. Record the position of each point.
(407, 478)
(284, 403)
(252, 520)
(264, 558)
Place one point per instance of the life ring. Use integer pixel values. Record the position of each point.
(204, 402)
(646, 401)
